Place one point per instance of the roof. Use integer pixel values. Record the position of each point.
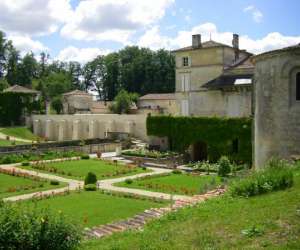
(166, 96)
(204, 45)
(229, 81)
(76, 92)
(286, 49)
(242, 63)
(20, 89)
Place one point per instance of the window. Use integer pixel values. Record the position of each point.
(185, 82)
(185, 61)
(298, 86)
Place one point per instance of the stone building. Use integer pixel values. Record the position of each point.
(77, 101)
(277, 105)
(213, 79)
(158, 104)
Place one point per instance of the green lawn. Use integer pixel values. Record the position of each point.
(79, 169)
(19, 132)
(176, 183)
(219, 224)
(13, 185)
(10, 143)
(94, 208)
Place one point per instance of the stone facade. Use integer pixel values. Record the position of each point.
(203, 62)
(77, 102)
(277, 107)
(85, 126)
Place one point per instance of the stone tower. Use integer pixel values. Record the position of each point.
(277, 105)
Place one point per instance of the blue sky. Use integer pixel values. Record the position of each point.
(80, 30)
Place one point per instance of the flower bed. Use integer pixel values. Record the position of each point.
(149, 153)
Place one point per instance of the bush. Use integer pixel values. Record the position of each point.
(224, 166)
(90, 187)
(54, 182)
(85, 157)
(91, 178)
(36, 229)
(128, 181)
(176, 171)
(267, 180)
(25, 163)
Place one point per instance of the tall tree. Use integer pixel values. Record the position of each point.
(12, 67)
(111, 84)
(3, 53)
(75, 71)
(28, 69)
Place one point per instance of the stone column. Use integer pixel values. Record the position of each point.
(92, 129)
(62, 126)
(37, 127)
(49, 129)
(76, 130)
(129, 127)
(110, 127)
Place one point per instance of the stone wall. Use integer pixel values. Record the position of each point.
(277, 113)
(151, 106)
(84, 126)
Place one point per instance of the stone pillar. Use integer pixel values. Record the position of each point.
(101, 130)
(129, 127)
(92, 129)
(49, 129)
(37, 127)
(110, 127)
(76, 135)
(62, 130)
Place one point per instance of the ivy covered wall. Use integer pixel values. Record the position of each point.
(223, 136)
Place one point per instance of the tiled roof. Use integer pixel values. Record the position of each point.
(167, 96)
(76, 92)
(20, 89)
(228, 81)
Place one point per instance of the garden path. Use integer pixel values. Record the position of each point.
(12, 138)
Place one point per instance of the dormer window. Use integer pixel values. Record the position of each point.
(185, 61)
(298, 86)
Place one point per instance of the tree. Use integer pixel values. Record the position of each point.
(111, 83)
(57, 104)
(100, 75)
(12, 66)
(28, 69)
(3, 84)
(57, 84)
(3, 53)
(123, 101)
(75, 71)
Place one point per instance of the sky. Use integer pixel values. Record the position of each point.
(74, 30)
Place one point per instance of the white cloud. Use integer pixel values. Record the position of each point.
(153, 39)
(257, 15)
(32, 17)
(113, 20)
(81, 55)
(25, 44)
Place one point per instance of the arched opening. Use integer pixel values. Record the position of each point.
(199, 151)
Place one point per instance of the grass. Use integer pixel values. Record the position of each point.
(4, 143)
(13, 185)
(176, 183)
(79, 169)
(270, 221)
(93, 208)
(19, 132)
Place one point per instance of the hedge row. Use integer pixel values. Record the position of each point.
(217, 133)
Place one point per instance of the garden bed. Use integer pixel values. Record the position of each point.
(186, 184)
(17, 185)
(78, 169)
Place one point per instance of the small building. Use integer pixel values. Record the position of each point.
(77, 102)
(22, 90)
(101, 107)
(158, 104)
(213, 79)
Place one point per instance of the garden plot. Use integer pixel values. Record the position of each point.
(78, 169)
(175, 183)
(17, 185)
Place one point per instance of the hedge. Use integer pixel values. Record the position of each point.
(217, 133)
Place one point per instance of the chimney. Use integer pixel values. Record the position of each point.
(196, 41)
(235, 45)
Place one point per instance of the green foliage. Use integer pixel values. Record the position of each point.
(123, 101)
(253, 231)
(25, 163)
(91, 178)
(54, 182)
(24, 228)
(263, 181)
(218, 133)
(177, 171)
(224, 166)
(90, 187)
(85, 157)
(57, 104)
(148, 153)
(3, 84)
(128, 181)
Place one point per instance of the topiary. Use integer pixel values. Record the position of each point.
(91, 178)
(224, 166)
(90, 187)
(85, 157)
(25, 163)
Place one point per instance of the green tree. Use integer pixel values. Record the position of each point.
(123, 101)
(57, 84)
(12, 66)
(3, 84)
(28, 69)
(57, 104)
(111, 84)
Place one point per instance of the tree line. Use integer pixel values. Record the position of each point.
(134, 69)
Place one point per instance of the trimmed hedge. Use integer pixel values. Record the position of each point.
(218, 133)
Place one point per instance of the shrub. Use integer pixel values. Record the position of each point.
(85, 157)
(25, 163)
(36, 229)
(90, 187)
(176, 171)
(54, 182)
(128, 181)
(267, 180)
(91, 178)
(224, 166)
